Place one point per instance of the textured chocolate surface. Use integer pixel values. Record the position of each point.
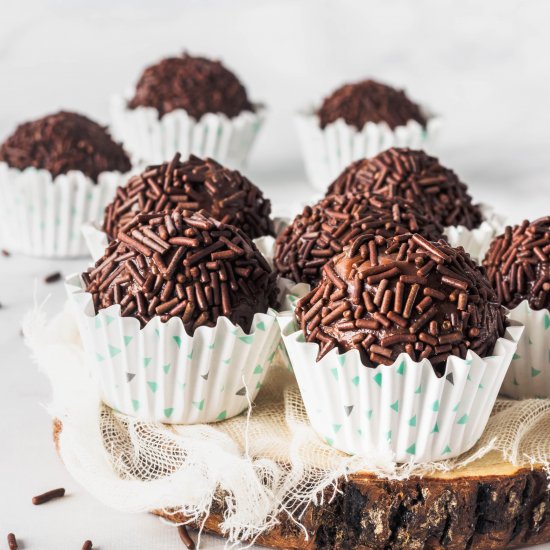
(183, 264)
(61, 142)
(369, 101)
(518, 264)
(321, 231)
(415, 176)
(403, 294)
(195, 184)
(194, 84)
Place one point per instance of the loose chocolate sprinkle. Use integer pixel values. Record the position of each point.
(46, 497)
(87, 545)
(321, 231)
(518, 264)
(194, 184)
(369, 101)
(415, 176)
(52, 277)
(61, 142)
(12, 542)
(182, 264)
(195, 84)
(425, 316)
(185, 537)
(6, 253)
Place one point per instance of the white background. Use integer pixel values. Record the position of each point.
(484, 66)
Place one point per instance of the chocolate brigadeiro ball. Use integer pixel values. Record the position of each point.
(194, 84)
(518, 264)
(369, 101)
(62, 142)
(321, 231)
(405, 294)
(195, 184)
(415, 176)
(183, 264)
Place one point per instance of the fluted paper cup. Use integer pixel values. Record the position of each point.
(529, 373)
(403, 410)
(328, 151)
(477, 241)
(42, 216)
(153, 140)
(161, 374)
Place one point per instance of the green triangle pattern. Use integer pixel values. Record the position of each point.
(419, 389)
(336, 427)
(258, 385)
(153, 386)
(109, 319)
(355, 380)
(435, 428)
(99, 357)
(446, 450)
(222, 415)
(177, 339)
(211, 346)
(546, 322)
(341, 359)
(272, 356)
(455, 408)
(378, 378)
(261, 326)
(388, 435)
(412, 449)
(463, 419)
(401, 368)
(157, 332)
(412, 421)
(435, 405)
(259, 369)
(168, 412)
(147, 361)
(395, 406)
(113, 351)
(329, 441)
(334, 373)
(127, 340)
(97, 322)
(166, 368)
(516, 357)
(135, 404)
(227, 361)
(190, 355)
(246, 339)
(199, 404)
(369, 414)
(535, 372)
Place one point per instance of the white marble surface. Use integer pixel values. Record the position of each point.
(483, 66)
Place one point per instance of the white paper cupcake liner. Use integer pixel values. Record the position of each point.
(403, 410)
(161, 374)
(41, 216)
(477, 241)
(150, 140)
(529, 373)
(328, 151)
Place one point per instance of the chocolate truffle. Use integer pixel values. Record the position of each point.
(403, 294)
(62, 142)
(195, 184)
(369, 101)
(183, 264)
(518, 264)
(415, 176)
(322, 230)
(194, 84)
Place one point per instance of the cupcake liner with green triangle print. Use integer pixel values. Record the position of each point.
(402, 410)
(161, 374)
(529, 374)
(41, 216)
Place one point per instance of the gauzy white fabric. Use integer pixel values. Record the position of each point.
(259, 466)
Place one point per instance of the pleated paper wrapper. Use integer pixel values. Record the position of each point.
(153, 140)
(529, 373)
(401, 410)
(477, 241)
(41, 216)
(161, 374)
(326, 152)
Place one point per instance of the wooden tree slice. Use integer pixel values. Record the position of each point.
(489, 504)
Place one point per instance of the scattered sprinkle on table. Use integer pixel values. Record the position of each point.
(50, 495)
(52, 277)
(184, 536)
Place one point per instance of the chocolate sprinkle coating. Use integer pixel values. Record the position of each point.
(195, 184)
(62, 142)
(321, 231)
(195, 84)
(183, 264)
(404, 294)
(369, 101)
(415, 176)
(518, 264)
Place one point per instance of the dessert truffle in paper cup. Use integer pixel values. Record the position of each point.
(357, 121)
(176, 319)
(422, 179)
(518, 266)
(400, 349)
(56, 173)
(189, 105)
